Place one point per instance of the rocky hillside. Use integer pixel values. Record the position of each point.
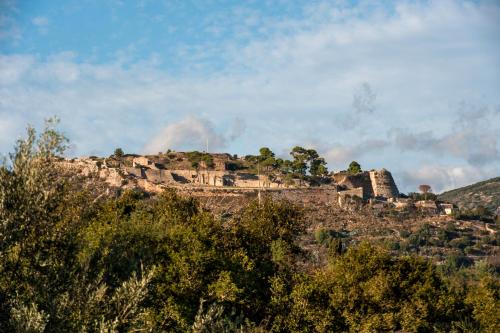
(485, 193)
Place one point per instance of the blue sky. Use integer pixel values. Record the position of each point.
(412, 86)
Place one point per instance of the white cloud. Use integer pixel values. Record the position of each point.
(444, 177)
(40, 21)
(368, 152)
(190, 133)
(42, 24)
(291, 82)
(12, 68)
(11, 128)
(341, 155)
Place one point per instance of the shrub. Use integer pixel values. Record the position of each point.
(393, 245)
(70, 263)
(405, 233)
(118, 153)
(461, 243)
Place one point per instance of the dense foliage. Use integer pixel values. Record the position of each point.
(305, 163)
(71, 263)
(354, 168)
(198, 159)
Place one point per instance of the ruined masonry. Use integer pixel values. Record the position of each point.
(368, 184)
(155, 173)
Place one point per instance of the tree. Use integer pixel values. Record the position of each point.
(354, 168)
(299, 163)
(208, 160)
(196, 158)
(269, 163)
(118, 152)
(425, 189)
(266, 153)
(285, 166)
(266, 158)
(135, 262)
(307, 160)
(318, 167)
(29, 185)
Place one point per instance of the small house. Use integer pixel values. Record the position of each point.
(447, 208)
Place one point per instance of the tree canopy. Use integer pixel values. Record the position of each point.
(71, 262)
(118, 152)
(354, 168)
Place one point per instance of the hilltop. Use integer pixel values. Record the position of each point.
(485, 193)
(358, 205)
(145, 250)
(204, 172)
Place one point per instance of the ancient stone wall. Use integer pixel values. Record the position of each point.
(136, 172)
(375, 183)
(316, 195)
(111, 176)
(147, 171)
(141, 160)
(360, 180)
(159, 176)
(383, 184)
(184, 176)
(300, 196)
(212, 178)
(355, 192)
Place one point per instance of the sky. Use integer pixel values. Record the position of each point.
(410, 86)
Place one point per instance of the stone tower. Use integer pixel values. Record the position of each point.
(383, 184)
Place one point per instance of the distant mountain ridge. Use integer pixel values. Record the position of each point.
(485, 193)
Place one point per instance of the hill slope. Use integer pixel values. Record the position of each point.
(485, 193)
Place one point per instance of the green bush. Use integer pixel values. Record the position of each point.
(393, 245)
(461, 243)
(118, 152)
(70, 263)
(321, 236)
(405, 233)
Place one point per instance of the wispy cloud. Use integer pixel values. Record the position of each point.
(473, 137)
(10, 32)
(443, 177)
(338, 74)
(237, 128)
(342, 154)
(40, 21)
(190, 133)
(364, 99)
(42, 24)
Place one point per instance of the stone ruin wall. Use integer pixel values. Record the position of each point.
(366, 185)
(360, 180)
(383, 184)
(355, 192)
(238, 197)
(374, 183)
(325, 195)
(144, 168)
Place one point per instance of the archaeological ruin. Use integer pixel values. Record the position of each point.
(215, 174)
